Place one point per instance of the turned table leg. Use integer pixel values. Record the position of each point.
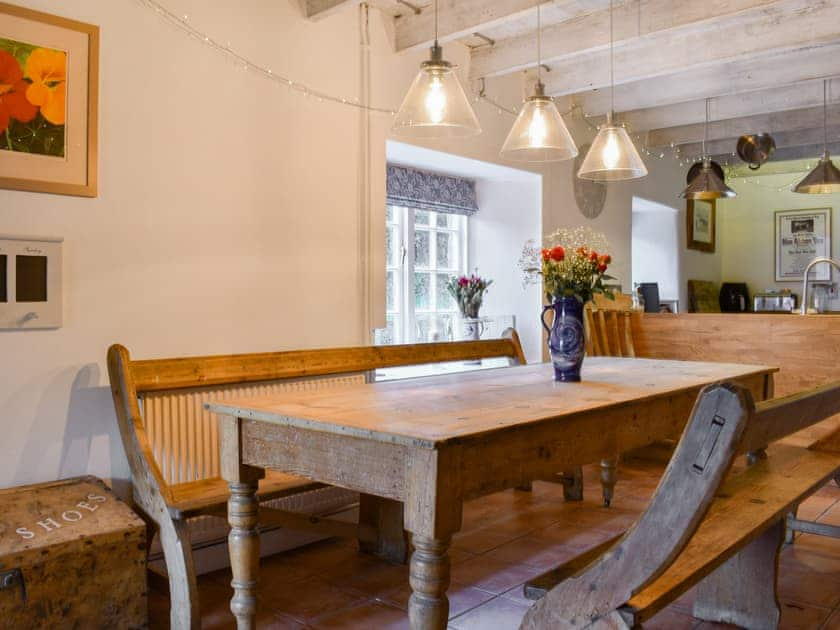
(428, 607)
(608, 479)
(244, 546)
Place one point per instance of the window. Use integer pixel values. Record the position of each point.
(418, 306)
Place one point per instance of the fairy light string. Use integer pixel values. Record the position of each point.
(183, 24)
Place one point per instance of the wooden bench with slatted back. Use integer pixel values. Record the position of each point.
(172, 443)
(698, 529)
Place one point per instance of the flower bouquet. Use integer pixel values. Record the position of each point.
(468, 293)
(572, 271)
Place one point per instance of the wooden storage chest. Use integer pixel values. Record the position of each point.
(72, 555)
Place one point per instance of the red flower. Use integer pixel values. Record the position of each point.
(558, 253)
(593, 256)
(462, 281)
(607, 259)
(602, 268)
(546, 254)
(13, 103)
(581, 251)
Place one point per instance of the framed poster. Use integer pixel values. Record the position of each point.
(801, 236)
(48, 107)
(700, 224)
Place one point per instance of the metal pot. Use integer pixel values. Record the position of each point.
(755, 149)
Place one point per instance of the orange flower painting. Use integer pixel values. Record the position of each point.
(33, 106)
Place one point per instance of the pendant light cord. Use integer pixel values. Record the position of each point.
(825, 117)
(539, 44)
(436, 23)
(706, 129)
(612, 66)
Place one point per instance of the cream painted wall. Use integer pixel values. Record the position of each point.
(232, 215)
(747, 228)
(509, 216)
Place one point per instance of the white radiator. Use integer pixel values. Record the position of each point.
(185, 441)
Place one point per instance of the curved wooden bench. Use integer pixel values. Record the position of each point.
(173, 485)
(699, 530)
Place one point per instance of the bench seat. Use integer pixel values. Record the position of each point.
(750, 501)
(210, 495)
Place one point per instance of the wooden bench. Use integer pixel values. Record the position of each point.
(702, 528)
(172, 443)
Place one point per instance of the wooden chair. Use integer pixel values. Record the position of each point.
(171, 442)
(608, 334)
(697, 529)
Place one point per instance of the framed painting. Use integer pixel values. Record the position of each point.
(801, 236)
(700, 225)
(49, 78)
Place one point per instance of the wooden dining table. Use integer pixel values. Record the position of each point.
(432, 443)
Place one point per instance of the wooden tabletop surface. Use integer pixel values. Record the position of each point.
(433, 410)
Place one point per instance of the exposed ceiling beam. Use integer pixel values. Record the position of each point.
(586, 38)
(776, 99)
(768, 72)
(465, 17)
(793, 120)
(783, 140)
(319, 9)
(806, 152)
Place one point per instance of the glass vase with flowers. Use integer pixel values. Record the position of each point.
(572, 268)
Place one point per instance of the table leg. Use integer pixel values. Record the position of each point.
(428, 607)
(244, 547)
(381, 531)
(608, 479)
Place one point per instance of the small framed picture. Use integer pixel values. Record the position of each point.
(700, 225)
(48, 105)
(801, 236)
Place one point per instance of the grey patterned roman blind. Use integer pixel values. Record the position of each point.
(430, 191)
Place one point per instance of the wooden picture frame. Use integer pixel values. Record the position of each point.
(700, 225)
(48, 131)
(800, 236)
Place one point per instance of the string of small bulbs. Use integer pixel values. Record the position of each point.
(182, 23)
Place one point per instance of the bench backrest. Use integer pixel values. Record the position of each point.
(724, 423)
(170, 438)
(609, 333)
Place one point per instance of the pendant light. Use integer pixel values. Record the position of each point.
(539, 133)
(825, 178)
(706, 184)
(612, 156)
(436, 105)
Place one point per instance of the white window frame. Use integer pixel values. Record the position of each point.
(404, 267)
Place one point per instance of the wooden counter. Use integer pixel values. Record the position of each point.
(805, 348)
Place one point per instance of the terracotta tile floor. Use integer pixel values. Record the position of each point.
(507, 538)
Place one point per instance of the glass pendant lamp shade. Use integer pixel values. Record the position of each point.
(612, 156)
(436, 105)
(539, 133)
(825, 177)
(707, 185)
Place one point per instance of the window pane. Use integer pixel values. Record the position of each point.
(444, 299)
(389, 246)
(392, 328)
(421, 248)
(422, 288)
(391, 291)
(444, 326)
(421, 323)
(443, 220)
(447, 253)
(421, 217)
(389, 213)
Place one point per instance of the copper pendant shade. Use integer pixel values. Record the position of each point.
(825, 177)
(707, 184)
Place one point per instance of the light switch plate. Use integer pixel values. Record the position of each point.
(30, 282)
